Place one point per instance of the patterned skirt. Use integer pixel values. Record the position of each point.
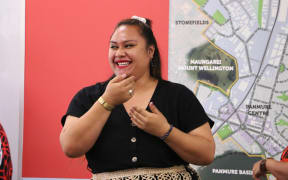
(171, 173)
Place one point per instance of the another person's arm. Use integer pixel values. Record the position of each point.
(80, 134)
(276, 168)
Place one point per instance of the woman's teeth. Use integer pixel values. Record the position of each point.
(123, 63)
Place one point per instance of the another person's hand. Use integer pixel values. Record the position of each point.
(117, 90)
(153, 122)
(256, 171)
(277, 168)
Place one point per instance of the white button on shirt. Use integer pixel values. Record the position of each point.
(133, 140)
(134, 159)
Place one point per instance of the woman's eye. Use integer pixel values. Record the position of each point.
(113, 47)
(129, 45)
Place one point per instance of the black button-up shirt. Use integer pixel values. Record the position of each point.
(121, 145)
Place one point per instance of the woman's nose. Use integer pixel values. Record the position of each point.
(120, 52)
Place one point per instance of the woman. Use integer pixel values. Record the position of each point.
(136, 124)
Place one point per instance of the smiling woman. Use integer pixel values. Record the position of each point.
(133, 39)
(137, 125)
(128, 53)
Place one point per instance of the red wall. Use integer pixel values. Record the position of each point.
(66, 49)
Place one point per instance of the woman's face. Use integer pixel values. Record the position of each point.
(128, 52)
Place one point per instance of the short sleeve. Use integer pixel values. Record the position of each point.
(83, 101)
(191, 112)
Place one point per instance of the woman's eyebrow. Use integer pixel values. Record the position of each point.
(124, 41)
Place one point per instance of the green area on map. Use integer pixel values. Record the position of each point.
(282, 123)
(223, 80)
(282, 68)
(219, 18)
(260, 8)
(201, 2)
(283, 97)
(224, 132)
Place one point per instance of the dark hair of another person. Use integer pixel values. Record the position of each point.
(147, 34)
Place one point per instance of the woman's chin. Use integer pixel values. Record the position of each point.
(123, 71)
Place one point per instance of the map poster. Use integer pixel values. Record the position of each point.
(233, 55)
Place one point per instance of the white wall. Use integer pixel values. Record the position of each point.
(12, 44)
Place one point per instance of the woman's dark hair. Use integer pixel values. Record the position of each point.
(147, 33)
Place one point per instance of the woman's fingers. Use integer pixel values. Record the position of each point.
(150, 122)
(129, 80)
(153, 108)
(138, 116)
(137, 122)
(130, 89)
(120, 89)
(126, 86)
(118, 78)
(142, 111)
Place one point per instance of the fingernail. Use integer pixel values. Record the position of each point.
(123, 75)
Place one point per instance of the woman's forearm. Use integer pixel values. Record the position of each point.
(79, 134)
(192, 148)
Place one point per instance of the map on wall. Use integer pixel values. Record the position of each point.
(233, 54)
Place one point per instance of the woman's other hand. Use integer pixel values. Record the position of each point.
(117, 90)
(189, 146)
(153, 122)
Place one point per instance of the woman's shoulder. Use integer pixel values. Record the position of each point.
(177, 90)
(96, 88)
(173, 85)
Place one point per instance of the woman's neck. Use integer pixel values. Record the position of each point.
(145, 82)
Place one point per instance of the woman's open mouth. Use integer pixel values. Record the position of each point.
(122, 63)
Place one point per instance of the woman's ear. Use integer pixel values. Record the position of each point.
(151, 50)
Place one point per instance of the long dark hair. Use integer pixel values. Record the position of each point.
(147, 33)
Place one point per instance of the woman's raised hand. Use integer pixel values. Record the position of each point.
(119, 89)
(153, 122)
